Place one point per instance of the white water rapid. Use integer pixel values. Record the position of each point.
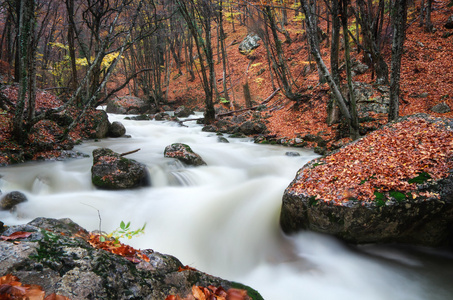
(223, 218)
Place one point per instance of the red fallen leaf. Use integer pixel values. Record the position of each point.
(186, 268)
(34, 292)
(56, 297)
(16, 235)
(199, 293)
(8, 279)
(13, 290)
(237, 294)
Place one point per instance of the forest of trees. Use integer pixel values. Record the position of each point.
(76, 47)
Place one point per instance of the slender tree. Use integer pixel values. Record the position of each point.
(198, 16)
(399, 16)
(311, 31)
(26, 53)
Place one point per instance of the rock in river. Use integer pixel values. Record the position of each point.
(184, 153)
(113, 172)
(335, 194)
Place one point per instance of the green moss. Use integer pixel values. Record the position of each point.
(251, 292)
(97, 181)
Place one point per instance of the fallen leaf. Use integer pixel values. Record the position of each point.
(16, 235)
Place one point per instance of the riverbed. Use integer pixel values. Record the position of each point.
(223, 218)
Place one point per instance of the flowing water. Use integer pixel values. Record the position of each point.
(223, 218)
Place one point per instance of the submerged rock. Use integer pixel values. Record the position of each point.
(184, 153)
(117, 129)
(183, 112)
(12, 199)
(113, 172)
(57, 257)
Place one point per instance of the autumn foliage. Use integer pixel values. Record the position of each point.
(385, 160)
(212, 293)
(12, 289)
(115, 247)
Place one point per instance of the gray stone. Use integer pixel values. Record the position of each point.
(11, 199)
(423, 95)
(221, 139)
(71, 267)
(184, 153)
(183, 112)
(359, 68)
(209, 128)
(128, 105)
(161, 116)
(441, 108)
(101, 125)
(117, 129)
(252, 127)
(249, 43)
(293, 154)
(114, 172)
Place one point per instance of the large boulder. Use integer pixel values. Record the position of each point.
(249, 43)
(252, 127)
(96, 126)
(183, 153)
(45, 135)
(183, 112)
(117, 129)
(113, 172)
(441, 108)
(128, 105)
(394, 185)
(371, 99)
(56, 255)
(10, 200)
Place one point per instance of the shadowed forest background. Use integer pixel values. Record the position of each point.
(73, 55)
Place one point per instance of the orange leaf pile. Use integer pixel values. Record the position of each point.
(383, 161)
(116, 247)
(212, 293)
(186, 268)
(12, 289)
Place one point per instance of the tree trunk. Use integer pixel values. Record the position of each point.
(71, 45)
(428, 23)
(224, 54)
(354, 127)
(203, 46)
(399, 25)
(333, 111)
(373, 57)
(279, 63)
(247, 95)
(321, 65)
(25, 32)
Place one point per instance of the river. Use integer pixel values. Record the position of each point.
(223, 218)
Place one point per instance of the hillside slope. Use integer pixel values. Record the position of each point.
(426, 78)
